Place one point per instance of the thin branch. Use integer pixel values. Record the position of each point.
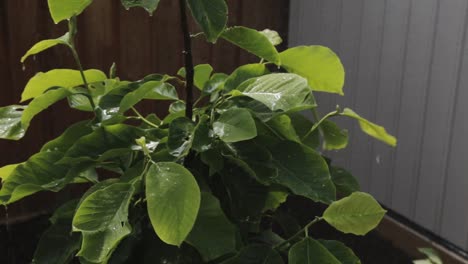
(189, 69)
(304, 230)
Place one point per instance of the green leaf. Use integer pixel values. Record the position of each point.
(57, 245)
(302, 125)
(310, 251)
(173, 201)
(151, 90)
(319, 65)
(65, 9)
(243, 73)
(202, 73)
(255, 254)
(213, 235)
(65, 78)
(211, 16)
(345, 183)
(278, 91)
(40, 103)
(252, 41)
(272, 36)
(149, 5)
(235, 125)
(39, 173)
(341, 252)
(431, 254)
(103, 207)
(357, 214)
(282, 125)
(7, 170)
(216, 83)
(10, 122)
(202, 135)
(69, 137)
(97, 247)
(303, 171)
(46, 44)
(95, 145)
(275, 198)
(334, 137)
(180, 136)
(371, 129)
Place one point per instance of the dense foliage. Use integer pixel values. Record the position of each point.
(202, 184)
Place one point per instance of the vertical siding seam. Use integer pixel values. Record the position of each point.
(400, 96)
(338, 42)
(357, 66)
(448, 147)
(415, 182)
(376, 98)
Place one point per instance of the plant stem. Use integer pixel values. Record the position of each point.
(72, 31)
(300, 232)
(319, 121)
(189, 69)
(141, 117)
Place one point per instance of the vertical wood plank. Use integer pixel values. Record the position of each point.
(388, 97)
(454, 215)
(365, 92)
(415, 81)
(438, 111)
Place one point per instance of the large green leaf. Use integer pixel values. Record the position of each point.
(345, 183)
(46, 44)
(278, 91)
(148, 5)
(173, 198)
(202, 73)
(10, 122)
(334, 138)
(95, 145)
(40, 103)
(302, 125)
(39, 173)
(180, 136)
(211, 16)
(65, 9)
(272, 36)
(252, 41)
(310, 251)
(341, 252)
(256, 254)
(97, 247)
(213, 235)
(215, 84)
(235, 125)
(65, 78)
(371, 129)
(7, 170)
(69, 137)
(282, 124)
(357, 214)
(57, 245)
(103, 207)
(151, 90)
(243, 73)
(319, 65)
(303, 171)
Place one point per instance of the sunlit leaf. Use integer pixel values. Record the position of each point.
(46, 44)
(235, 125)
(65, 9)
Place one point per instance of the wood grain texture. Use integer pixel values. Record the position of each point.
(137, 43)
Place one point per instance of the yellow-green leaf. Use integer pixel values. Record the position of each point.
(319, 65)
(65, 9)
(371, 129)
(46, 44)
(65, 78)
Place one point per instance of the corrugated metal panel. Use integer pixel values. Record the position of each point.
(407, 69)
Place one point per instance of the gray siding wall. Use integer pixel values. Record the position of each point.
(407, 69)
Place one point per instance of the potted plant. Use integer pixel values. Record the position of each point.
(202, 184)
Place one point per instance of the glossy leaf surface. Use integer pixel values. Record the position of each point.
(235, 125)
(173, 201)
(252, 41)
(357, 214)
(10, 122)
(44, 45)
(319, 65)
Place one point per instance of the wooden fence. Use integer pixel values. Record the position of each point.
(137, 43)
